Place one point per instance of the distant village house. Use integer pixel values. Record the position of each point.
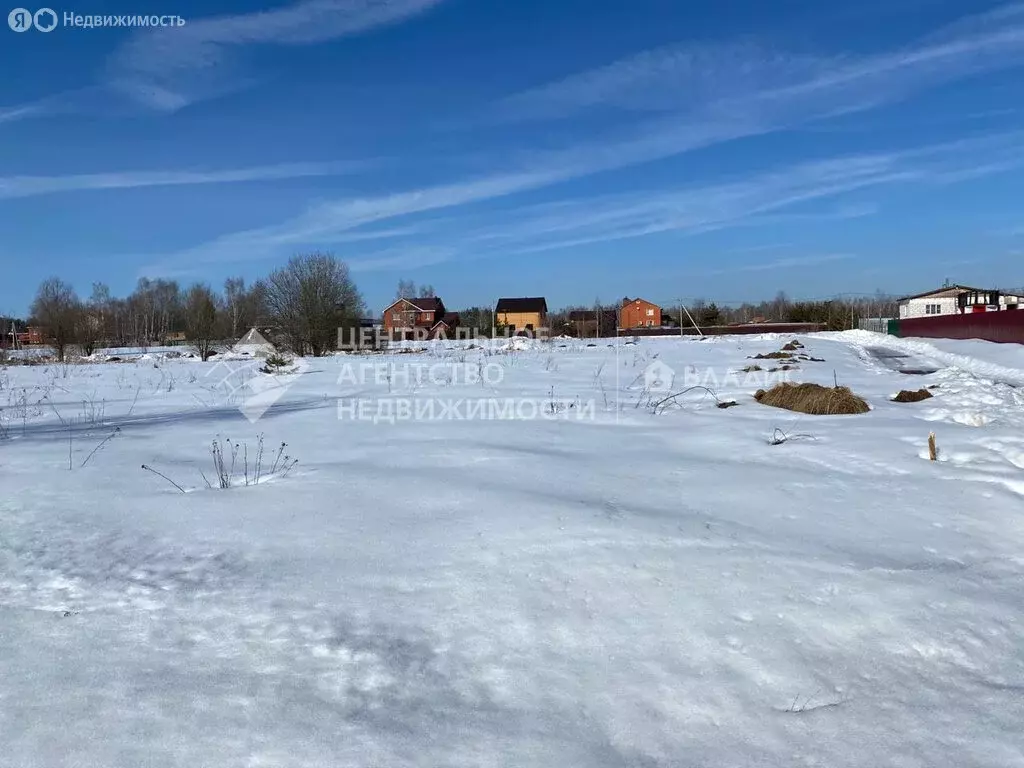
(956, 299)
(527, 314)
(639, 313)
(424, 317)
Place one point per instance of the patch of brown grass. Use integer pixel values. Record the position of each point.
(752, 368)
(793, 346)
(785, 367)
(774, 356)
(812, 399)
(909, 396)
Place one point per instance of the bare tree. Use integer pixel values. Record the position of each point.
(201, 324)
(155, 308)
(427, 292)
(406, 289)
(309, 299)
(779, 306)
(234, 303)
(93, 321)
(56, 307)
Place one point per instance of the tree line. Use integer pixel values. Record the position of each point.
(313, 295)
(306, 301)
(835, 314)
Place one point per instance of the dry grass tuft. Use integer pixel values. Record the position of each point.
(812, 399)
(774, 356)
(909, 396)
(752, 368)
(793, 346)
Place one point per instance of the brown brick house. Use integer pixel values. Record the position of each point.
(639, 313)
(446, 327)
(406, 315)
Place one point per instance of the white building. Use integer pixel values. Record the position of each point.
(956, 299)
(254, 344)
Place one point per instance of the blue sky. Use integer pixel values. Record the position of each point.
(575, 149)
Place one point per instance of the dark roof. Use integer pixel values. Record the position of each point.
(451, 319)
(536, 304)
(626, 301)
(427, 304)
(951, 289)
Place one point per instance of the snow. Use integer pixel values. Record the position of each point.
(598, 586)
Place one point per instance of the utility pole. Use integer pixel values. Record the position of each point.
(682, 309)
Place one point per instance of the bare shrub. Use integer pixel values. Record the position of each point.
(232, 467)
(812, 399)
(909, 396)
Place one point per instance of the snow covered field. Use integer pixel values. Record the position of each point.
(611, 584)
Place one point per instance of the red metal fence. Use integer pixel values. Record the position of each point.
(1005, 326)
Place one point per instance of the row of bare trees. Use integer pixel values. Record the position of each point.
(305, 301)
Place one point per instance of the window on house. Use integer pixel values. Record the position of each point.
(650, 313)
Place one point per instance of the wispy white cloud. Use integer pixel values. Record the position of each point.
(756, 200)
(571, 223)
(10, 114)
(741, 94)
(403, 258)
(333, 222)
(763, 247)
(692, 209)
(28, 186)
(242, 248)
(168, 68)
(685, 77)
(326, 222)
(787, 263)
(759, 82)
